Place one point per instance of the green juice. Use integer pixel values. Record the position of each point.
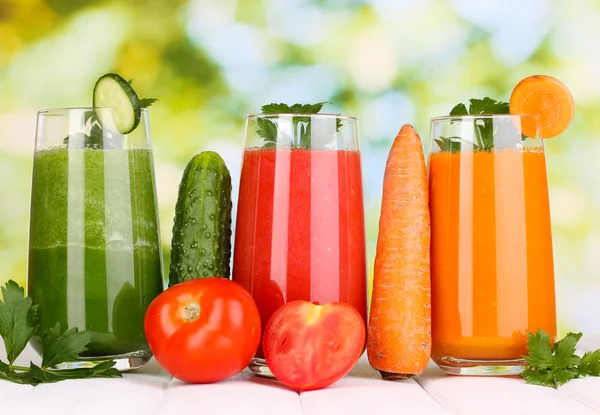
(94, 256)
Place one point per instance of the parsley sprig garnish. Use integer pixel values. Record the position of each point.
(268, 130)
(555, 365)
(484, 127)
(18, 324)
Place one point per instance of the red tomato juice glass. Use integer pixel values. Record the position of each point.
(300, 223)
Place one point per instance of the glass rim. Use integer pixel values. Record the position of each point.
(66, 110)
(324, 115)
(446, 118)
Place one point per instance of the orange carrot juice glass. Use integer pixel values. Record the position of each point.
(300, 227)
(491, 244)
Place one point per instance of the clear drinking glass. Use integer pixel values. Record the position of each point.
(300, 223)
(94, 246)
(491, 243)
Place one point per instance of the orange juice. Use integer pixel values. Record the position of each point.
(491, 253)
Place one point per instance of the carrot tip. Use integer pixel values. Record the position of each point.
(394, 376)
(407, 129)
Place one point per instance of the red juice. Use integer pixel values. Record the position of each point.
(300, 228)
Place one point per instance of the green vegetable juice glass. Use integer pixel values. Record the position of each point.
(94, 244)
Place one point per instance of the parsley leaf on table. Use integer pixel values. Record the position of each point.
(539, 377)
(540, 352)
(556, 365)
(590, 364)
(7, 373)
(18, 325)
(267, 129)
(101, 370)
(65, 347)
(17, 320)
(564, 351)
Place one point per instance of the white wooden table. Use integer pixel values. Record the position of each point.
(152, 391)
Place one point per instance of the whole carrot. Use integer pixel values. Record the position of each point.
(399, 337)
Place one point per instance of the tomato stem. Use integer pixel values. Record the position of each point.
(191, 312)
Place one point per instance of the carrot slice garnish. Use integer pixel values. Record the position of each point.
(547, 97)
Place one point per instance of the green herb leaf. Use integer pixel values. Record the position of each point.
(102, 370)
(146, 102)
(81, 140)
(282, 108)
(449, 143)
(564, 351)
(309, 108)
(305, 135)
(556, 365)
(540, 352)
(25, 378)
(459, 109)
(17, 326)
(267, 129)
(564, 375)
(590, 364)
(96, 137)
(484, 127)
(539, 377)
(91, 116)
(17, 320)
(66, 347)
(274, 108)
(487, 106)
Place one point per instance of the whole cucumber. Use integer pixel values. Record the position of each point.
(201, 244)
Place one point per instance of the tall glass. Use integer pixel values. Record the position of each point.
(300, 223)
(491, 244)
(94, 245)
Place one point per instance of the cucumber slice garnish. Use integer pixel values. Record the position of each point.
(114, 92)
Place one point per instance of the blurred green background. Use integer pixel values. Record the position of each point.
(389, 62)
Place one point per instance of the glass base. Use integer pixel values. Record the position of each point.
(469, 367)
(259, 367)
(124, 362)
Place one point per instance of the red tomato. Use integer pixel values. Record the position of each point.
(310, 346)
(204, 330)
